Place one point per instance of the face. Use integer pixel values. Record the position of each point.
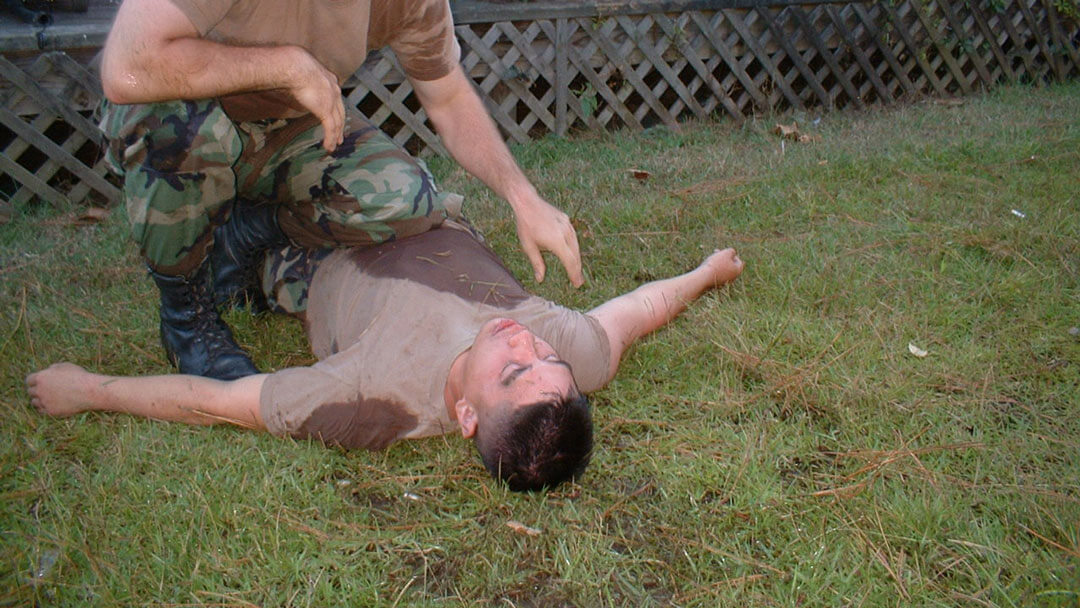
(508, 366)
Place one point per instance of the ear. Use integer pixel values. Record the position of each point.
(466, 417)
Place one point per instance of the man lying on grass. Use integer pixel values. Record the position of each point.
(415, 337)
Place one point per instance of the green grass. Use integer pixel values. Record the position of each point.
(776, 446)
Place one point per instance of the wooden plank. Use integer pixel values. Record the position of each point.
(619, 61)
(849, 38)
(1019, 44)
(50, 167)
(796, 58)
(76, 73)
(1060, 41)
(826, 54)
(763, 58)
(695, 62)
(992, 40)
(31, 182)
(890, 58)
(68, 30)
(973, 54)
(56, 153)
(483, 51)
(48, 101)
(665, 71)
(600, 86)
(394, 105)
(943, 50)
(573, 104)
(913, 49)
(562, 76)
(539, 55)
(492, 78)
(478, 11)
(1033, 28)
(729, 58)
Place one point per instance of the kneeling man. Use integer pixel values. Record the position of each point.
(417, 337)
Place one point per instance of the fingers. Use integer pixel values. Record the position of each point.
(544, 228)
(532, 253)
(570, 256)
(334, 124)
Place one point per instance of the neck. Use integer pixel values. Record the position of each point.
(453, 390)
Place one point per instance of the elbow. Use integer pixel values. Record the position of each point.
(120, 82)
(114, 92)
(113, 84)
(119, 86)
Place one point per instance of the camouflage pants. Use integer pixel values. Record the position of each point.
(184, 163)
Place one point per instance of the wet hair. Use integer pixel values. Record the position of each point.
(540, 445)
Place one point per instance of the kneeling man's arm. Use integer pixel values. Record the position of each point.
(64, 389)
(633, 315)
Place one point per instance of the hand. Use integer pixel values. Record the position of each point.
(542, 227)
(722, 266)
(319, 92)
(58, 390)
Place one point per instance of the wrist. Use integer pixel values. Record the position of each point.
(522, 195)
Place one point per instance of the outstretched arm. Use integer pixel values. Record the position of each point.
(65, 389)
(651, 306)
(472, 139)
(154, 53)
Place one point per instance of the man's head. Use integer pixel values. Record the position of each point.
(521, 405)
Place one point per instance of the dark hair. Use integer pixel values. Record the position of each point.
(541, 445)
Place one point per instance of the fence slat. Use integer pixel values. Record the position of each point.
(970, 51)
(46, 100)
(69, 162)
(695, 62)
(31, 181)
(562, 80)
(729, 58)
(992, 40)
(1059, 38)
(827, 55)
(850, 39)
(1033, 26)
(556, 66)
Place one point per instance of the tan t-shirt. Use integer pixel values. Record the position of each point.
(388, 321)
(339, 33)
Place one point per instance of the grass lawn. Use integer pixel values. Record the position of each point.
(781, 444)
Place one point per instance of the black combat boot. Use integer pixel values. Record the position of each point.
(195, 338)
(239, 246)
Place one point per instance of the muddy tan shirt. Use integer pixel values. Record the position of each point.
(339, 33)
(388, 321)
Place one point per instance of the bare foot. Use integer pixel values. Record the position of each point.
(724, 266)
(61, 390)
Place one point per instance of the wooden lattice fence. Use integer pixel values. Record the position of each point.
(554, 67)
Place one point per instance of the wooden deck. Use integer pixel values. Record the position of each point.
(70, 32)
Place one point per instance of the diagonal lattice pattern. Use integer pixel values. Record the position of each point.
(616, 66)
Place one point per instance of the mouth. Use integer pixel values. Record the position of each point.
(504, 325)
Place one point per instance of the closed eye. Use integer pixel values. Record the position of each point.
(514, 374)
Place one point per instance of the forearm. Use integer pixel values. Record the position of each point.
(193, 68)
(655, 304)
(178, 398)
(472, 138)
(647, 308)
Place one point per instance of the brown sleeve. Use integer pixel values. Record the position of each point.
(203, 14)
(324, 402)
(421, 34)
(580, 341)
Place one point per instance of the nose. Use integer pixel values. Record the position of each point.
(523, 342)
